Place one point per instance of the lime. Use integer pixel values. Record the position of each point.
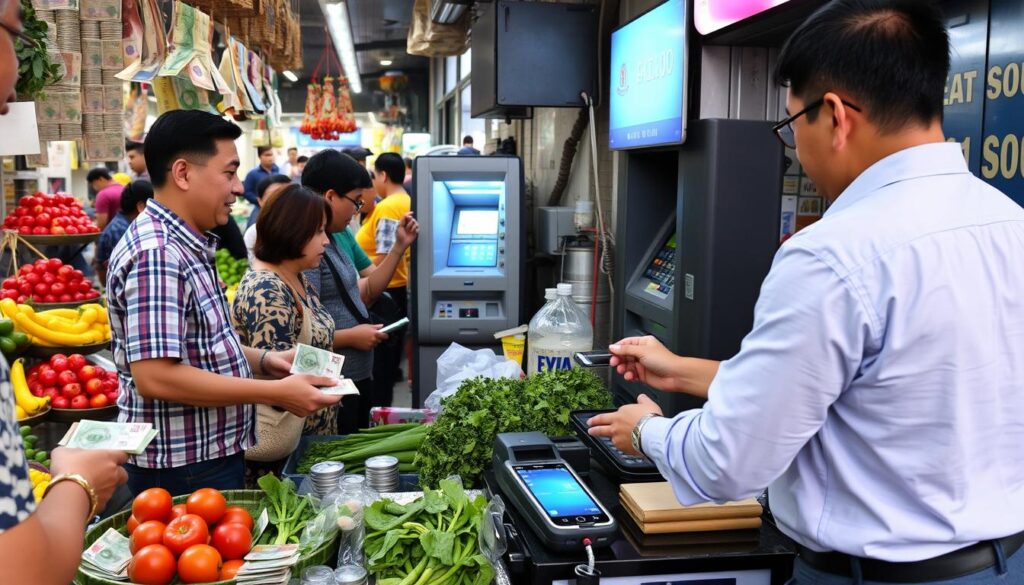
(31, 440)
(6, 327)
(20, 339)
(25, 430)
(30, 454)
(46, 464)
(7, 345)
(40, 456)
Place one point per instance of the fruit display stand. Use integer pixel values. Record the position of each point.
(41, 351)
(251, 500)
(105, 384)
(52, 220)
(49, 283)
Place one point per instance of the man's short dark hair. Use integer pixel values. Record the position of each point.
(287, 222)
(358, 152)
(331, 170)
(467, 140)
(134, 193)
(266, 182)
(291, 148)
(261, 149)
(131, 145)
(889, 57)
(184, 133)
(392, 166)
(97, 174)
(302, 159)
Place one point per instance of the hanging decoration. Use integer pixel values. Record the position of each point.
(328, 107)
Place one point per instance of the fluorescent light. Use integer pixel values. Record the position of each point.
(290, 75)
(386, 62)
(336, 15)
(448, 11)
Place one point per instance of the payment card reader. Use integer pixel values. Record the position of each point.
(560, 509)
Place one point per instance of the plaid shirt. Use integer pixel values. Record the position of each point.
(165, 301)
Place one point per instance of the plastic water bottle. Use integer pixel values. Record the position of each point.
(556, 332)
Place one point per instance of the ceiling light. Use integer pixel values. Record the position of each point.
(448, 11)
(386, 62)
(336, 15)
(290, 75)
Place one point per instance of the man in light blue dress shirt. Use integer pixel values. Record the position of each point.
(880, 394)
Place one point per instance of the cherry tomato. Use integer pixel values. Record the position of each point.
(199, 564)
(152, 565)
(207, 503)
(178, 511)
(185, 531)
(152, 504)
(237, 515)
(133, 523)
(232, 541)
(230, 569)
(147, 533)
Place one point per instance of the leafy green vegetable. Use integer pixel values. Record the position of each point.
(401, 441)
(460, 440)
(288, 511)
(430, 541)
(35, 71)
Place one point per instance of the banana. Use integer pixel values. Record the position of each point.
(22, 396)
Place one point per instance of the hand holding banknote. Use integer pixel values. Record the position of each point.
(300, 394)
(101, 468)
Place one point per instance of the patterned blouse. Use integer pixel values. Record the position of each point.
(266, 316)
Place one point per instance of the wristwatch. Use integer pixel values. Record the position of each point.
(639, 429)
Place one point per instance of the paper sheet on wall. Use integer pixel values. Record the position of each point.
(18, 127)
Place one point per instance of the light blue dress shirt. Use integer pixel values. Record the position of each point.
(880, 394)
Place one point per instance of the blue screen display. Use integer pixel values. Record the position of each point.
(648, 78)
(472, 254)
(558, 492)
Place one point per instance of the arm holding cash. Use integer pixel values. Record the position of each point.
(47, 547)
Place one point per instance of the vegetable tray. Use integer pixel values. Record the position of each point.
(408, 481)
(60, 240)
(251, 500)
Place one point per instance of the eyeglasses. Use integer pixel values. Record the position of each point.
(357, 202)
(784, 129)
(20, 35)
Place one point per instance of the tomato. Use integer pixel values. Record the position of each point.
(92, 295)
(199, 564)
(178, 511)
(54, 264)
(230, 569)
(147, 533)
(133, 523)
(152, 565)
(76, 361)
(237, 515)
(232, 541)
(85, 373)
(152, 504)
(78, 297)
(185, 531)
(84, 287)
(79, 402)
(32, 278)
(98, 401)
(208, 504)
(71, 230)
(94, 387)
(66, 377)
(70, 391)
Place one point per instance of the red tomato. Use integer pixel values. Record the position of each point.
(70, 391)
(10, 282)
(178, 510)
(185, 531)
(71, 230)
(79, 402)
(32, 278)
(57, 230)
(92, 295)
(230, 569)
(58, 401)
(152, 565)
(84, 287)
(54, 264)
(76, 360)
(147, 533)
(99, 401)
(233, 541)
(237, 515)
(132, 524)
(48, 279)
(111, 397)
(152, 504)
(78, 297)
(67, 377)
(208, 504)
(85, 373)
(199, 564)
(64, 298)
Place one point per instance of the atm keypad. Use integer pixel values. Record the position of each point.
(662, 269)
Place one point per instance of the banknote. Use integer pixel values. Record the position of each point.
(109, 553)
(90, 434)
(345, 387)
(317, 362)
(270, 552)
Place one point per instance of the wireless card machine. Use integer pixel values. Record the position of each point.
(544, 489)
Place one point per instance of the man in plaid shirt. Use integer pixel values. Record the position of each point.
(179, 360)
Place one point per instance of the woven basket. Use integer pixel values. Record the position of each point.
(251, 500)
(281, 28)
(221, 8)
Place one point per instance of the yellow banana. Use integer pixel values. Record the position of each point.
(60, 338)
(22, 396)
(19, 412)
(9, 307)
(69, 314)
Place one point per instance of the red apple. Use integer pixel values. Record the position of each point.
(80, 402)
(36, 389)
(57, 288)
(59, 363)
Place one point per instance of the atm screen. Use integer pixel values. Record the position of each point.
(477, 222)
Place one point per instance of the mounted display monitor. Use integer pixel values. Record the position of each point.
(648, 79)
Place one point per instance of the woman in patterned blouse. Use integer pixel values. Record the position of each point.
(275, 304)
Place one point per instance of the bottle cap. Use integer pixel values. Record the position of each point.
(564, 289)
(550, 293)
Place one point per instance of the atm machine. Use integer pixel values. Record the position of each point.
(467, 267)
(712, 205)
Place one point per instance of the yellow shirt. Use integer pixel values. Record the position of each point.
(377, 235)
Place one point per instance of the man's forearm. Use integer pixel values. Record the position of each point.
(172, 381)
(696, 376)
(253, 356)
(379, 279)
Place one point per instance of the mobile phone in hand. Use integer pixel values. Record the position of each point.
(395, 326)
(593, 359)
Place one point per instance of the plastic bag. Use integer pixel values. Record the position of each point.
(459, 363)
(492, 538)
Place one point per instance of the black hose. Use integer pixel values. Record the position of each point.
(568, 154)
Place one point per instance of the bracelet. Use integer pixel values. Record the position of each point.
(263, 357)
(93, 498)
(637, 434)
